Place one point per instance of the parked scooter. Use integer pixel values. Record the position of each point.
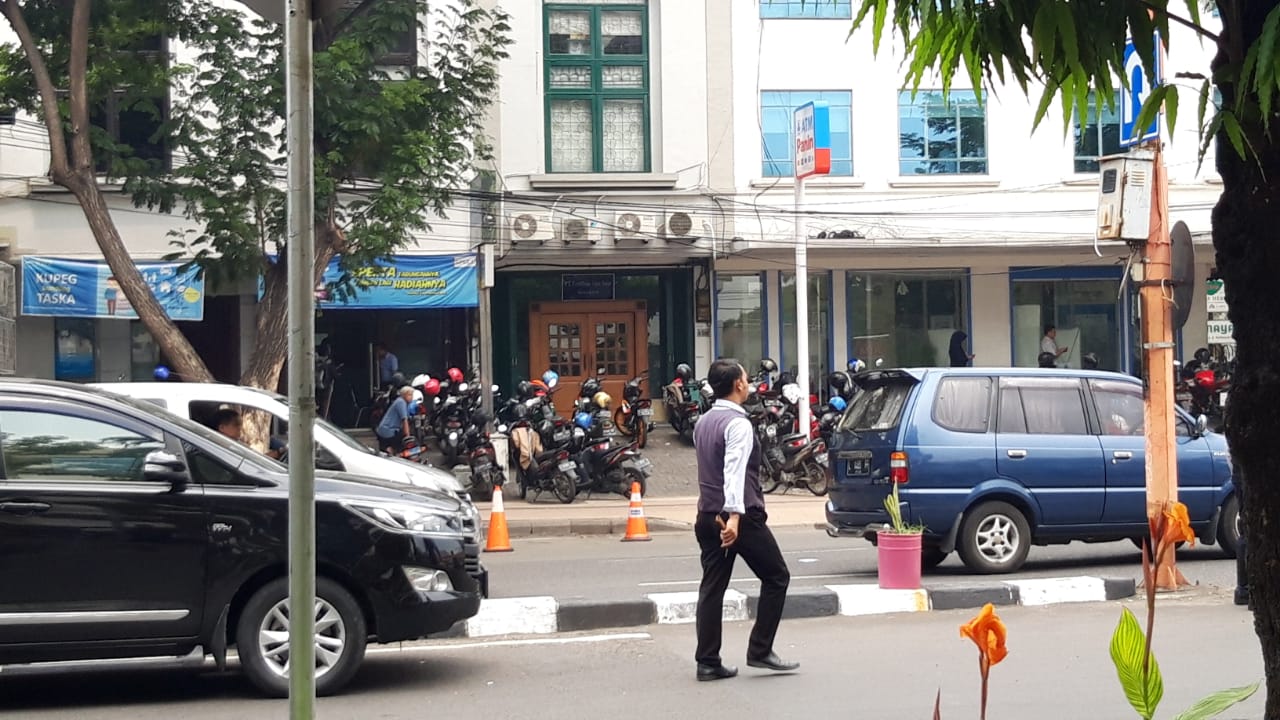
(796, 460)
(633, 415)
(539, 469)
(482, 458)
(606, 466)
(683, 400)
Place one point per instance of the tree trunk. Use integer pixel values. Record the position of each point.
(1245, 223)
(188, 364)
(271, 347)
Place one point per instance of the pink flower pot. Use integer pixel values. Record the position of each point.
(899, 561)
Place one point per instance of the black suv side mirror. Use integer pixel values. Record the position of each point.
(161, 466)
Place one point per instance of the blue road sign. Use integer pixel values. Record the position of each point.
(1139, 91)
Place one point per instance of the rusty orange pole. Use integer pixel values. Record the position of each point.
(1156, 298)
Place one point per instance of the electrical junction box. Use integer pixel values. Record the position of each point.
(1125, 189)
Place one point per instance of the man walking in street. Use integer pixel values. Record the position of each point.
(731, 522)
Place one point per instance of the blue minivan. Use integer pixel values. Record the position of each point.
(992, 461)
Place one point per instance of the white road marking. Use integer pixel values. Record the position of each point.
(579, 640)
(807, 560)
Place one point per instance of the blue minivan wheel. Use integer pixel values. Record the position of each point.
(994, 538)
(1229, 526)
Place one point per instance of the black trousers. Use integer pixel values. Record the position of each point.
(391, 444)
(759, 549)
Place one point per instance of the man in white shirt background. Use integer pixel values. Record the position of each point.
(1049, 343)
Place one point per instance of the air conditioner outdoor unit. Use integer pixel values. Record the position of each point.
(682, 225)
(531, 227)
(576, 230)
(636, 226)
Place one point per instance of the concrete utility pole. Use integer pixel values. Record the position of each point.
(302, 362)
(802, 308)
(1156, 299)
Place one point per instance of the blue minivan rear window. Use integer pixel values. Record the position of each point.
(878, 407)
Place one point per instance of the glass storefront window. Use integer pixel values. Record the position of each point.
(906, 319)
(1086, 314)
(144, 354)
(819, 323)
(75, 351)
(740, 313)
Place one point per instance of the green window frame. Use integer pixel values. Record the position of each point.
(596, 81)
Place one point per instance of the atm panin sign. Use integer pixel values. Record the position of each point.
(813, 139)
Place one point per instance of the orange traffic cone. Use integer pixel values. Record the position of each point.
(499, 539)
(637, 528)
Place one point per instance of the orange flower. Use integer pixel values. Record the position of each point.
(988, 633)
(1177, 525)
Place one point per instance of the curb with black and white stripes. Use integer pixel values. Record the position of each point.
(544, 614)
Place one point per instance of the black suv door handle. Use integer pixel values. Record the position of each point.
(24, 508)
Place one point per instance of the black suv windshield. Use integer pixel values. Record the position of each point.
(878, 407)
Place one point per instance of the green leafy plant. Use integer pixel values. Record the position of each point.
(1136, 665)
(897, 525)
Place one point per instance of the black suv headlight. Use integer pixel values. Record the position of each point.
(401, 517)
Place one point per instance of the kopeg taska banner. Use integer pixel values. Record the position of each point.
(53, 287)
(404, 282)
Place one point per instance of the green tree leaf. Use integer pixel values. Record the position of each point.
(1127, 646)
(1213, 705)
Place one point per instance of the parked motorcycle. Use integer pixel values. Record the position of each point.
(633, 416)
(1203, 388)
(482, 458)
(605, 466)
(538, 468)
(794, 460)
(684, 401)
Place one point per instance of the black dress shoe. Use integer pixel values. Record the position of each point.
(715, 672)
(773, 662)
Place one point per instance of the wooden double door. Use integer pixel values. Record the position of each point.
(578, 340)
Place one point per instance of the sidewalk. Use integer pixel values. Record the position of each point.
(607, 515)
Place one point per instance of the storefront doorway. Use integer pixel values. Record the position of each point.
(581, 339)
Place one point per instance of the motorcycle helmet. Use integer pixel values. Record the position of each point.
(602, 400)
(786, 379)
(684, 372)
(1203, 356)
(520, 412)
(162, 372)
(539, 388)
(839, 381)
(792, 393)
(524, 389)
(431, 387)
(417, 398)
(590, 387)
(551, 378)
(768, 366)
(856, 366)
(455, 375)
(480, 418)
(398, 380)
(582, 420)
(838, 404)
(419, 380)
(1046, 359)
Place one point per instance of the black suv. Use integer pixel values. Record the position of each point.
(127, 532)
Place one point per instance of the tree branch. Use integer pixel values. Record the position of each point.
(78, 83)
(58, 164)
(1179, 19)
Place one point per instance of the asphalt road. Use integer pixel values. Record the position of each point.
(602, 567)
(872, 667)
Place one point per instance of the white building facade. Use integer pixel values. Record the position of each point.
(936, 216)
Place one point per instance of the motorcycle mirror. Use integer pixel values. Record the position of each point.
(880, 362)
(502, 428)
(1202, 425)
(494, 388)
